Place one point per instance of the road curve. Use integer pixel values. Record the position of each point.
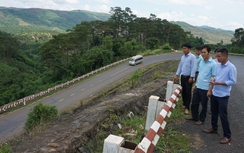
(12, 123)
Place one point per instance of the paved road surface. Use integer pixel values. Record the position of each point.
(209, 143)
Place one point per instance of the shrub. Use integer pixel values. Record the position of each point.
(39, 114)
(5, 148)
(152, 43)
(134, 78)
(166, 47)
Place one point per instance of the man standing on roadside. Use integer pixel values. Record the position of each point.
(187, 70)
(198, 50)
(206, 72)
(226, 76)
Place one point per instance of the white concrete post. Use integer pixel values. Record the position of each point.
(112, 143)
(170, 89)
(117, 144)
(151, 110)
(154, 108)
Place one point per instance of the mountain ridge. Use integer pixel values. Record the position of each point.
(209, 34)
(47, 22)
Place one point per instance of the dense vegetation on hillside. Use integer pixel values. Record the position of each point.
(91, 45)
(28, 68)
(238, 41)
(18, 72)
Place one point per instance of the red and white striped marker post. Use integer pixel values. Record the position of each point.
(150, 140)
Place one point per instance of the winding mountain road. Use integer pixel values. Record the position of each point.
(12, 123)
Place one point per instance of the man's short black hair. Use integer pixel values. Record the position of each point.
(198, 48)
(188, 45)
(223, 51)
(207, 47)
(216, 50)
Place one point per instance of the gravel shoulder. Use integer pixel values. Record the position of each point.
(204, 143)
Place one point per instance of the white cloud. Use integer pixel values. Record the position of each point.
(204, 18)
(140, 14)
(158, 2)
(188, 2)
(209, 7)
(234, 1)
(171, 16)
(86, 7)
(102, 8)
(195, 20)
(72, 1)
(104, 1)
(234, 25)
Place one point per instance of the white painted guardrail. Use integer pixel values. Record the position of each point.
(42, 93)
(150, 140)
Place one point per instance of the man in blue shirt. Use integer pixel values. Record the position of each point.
(198, 50)
(206, 72)
(187, 70)
(226, 76)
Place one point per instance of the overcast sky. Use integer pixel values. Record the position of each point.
(224, 14)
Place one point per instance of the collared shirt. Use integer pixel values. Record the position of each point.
(206, 71)
(187, 65)
(199, 59)
(224, 73)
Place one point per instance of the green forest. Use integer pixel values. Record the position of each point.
(30, 67)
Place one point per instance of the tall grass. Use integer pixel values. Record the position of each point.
(5, 148)
(40, 114)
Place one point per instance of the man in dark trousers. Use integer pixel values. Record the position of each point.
(199, 58)
(206, 72)
(225, 77)
(186, 70)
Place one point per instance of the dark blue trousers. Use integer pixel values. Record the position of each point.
(219, 107)
(199, 96)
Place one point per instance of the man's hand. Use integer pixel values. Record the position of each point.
(209, 93)
(175, 78)
(190, 80)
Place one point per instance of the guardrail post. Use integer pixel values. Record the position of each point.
(154, 107)
(152, 136)
(170, 89)
(117, 144)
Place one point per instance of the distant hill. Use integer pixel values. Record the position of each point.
(40, 24)
(43, 22)
(209, 34)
